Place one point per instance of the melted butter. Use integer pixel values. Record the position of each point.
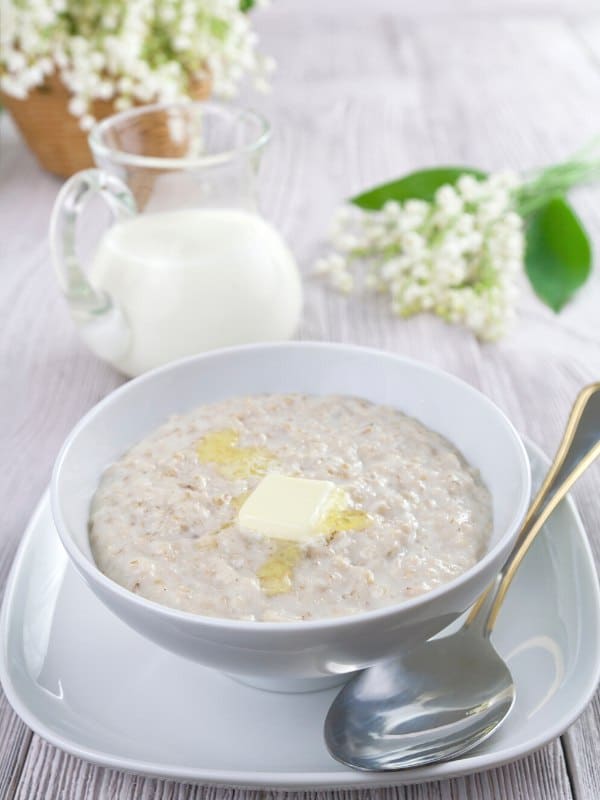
(224, 527)
(275, 575)
(238, 500)
(341, 517)
(222, 449)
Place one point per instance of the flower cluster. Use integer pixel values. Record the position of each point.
(457, 256)
(127, 50)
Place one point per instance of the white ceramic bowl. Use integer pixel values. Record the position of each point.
(296, 655)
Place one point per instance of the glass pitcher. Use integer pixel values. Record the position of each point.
(188, 264)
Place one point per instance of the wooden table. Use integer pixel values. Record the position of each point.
(364, 92)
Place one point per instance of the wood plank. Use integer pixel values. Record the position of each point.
(587, 29)
(15, 739)
(426, 8)
(37, 403)
(50, 774)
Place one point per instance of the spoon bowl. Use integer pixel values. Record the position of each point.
(383, 718)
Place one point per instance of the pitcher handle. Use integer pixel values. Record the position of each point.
(85, 302)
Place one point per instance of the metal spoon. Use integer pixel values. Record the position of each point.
(447, 695)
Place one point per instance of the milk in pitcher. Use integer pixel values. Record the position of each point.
(188, 280)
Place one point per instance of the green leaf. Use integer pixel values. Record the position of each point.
(558, 255)
(420, 185)
(246, 5)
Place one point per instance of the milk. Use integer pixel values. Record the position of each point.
(190, 280)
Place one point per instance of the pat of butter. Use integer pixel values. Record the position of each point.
(287, 508)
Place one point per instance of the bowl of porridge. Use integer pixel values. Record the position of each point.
(290, 513)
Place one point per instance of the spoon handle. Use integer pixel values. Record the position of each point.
(579, 448)
(584, 420)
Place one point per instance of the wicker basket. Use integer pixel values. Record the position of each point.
(53, 133)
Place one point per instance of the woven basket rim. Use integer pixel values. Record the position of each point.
(54, 135)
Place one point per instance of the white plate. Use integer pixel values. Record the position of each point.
(91, 686)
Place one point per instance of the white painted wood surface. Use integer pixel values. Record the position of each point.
(365, 91)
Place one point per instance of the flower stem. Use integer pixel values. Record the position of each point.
(558, 179)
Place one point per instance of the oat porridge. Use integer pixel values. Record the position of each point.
(410, 513)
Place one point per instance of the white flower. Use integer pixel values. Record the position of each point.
(86, 122)
(513, 221)
(104, 90)
(465, 224)
(77, 106)
(15, 61)
(123, 103)
(373, 283)
(473, 242)
(391, 209)
(344, 214)
(345, 242)
(321, 266)
(514, 244)
(13, 87)
(448, 200)
(506, 180)
(413, 244)
(391, 269)
(416, 208)
(343, 282)
(124, 53)
(490, 210)
(330, 264)
(437, 257)
(469, 188)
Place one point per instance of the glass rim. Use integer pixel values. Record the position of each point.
(101, 149)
